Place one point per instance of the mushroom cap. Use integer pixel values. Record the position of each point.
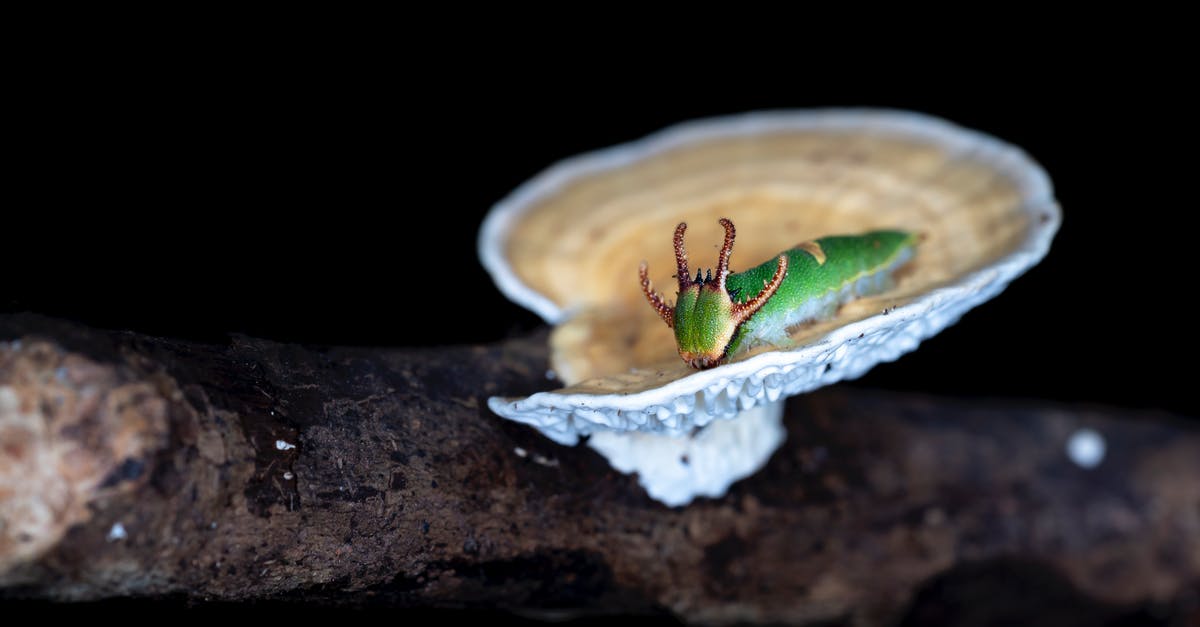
(567, 245)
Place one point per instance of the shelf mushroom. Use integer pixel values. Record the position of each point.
(568, 244)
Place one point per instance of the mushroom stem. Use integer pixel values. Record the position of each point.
(656, 300)
(722, 452)
(726, 250)
(681, 264)
(743, 311)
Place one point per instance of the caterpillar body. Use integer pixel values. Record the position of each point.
(715, 317)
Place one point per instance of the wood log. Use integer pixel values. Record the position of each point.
(143, 467)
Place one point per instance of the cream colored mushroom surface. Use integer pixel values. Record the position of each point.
(568, 243)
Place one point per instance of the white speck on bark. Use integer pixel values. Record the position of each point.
(117, 532)
(1086, 447)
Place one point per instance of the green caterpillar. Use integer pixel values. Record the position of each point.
(714, 317)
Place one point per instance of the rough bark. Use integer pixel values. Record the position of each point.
(133, 466)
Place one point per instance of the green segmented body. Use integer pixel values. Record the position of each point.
(716, 316)
(854, 265)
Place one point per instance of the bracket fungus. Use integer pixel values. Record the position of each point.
(569, 243)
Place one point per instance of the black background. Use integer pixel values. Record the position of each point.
(162, 182)
(340, 205)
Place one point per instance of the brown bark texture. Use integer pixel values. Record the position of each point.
(136, 466)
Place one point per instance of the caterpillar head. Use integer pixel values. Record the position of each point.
(705, 316)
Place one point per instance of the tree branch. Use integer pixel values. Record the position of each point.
(139, 466)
